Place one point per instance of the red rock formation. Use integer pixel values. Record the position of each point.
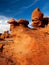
(15, 23)
(37, 18)
(23, 22)
(29, 46)
(5, 35)
(12, 21)
(37, 14)
(36, 23)
(12, 27)
(45, 21)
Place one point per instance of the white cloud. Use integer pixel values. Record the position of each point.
(3, 19)
(30, 24)
(33, 3)
(3, 24)
(4, 27)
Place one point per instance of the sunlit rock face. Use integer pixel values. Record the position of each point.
(37, 14)
(28, 47)
(37, 17)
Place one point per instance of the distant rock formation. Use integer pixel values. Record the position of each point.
(5, 35)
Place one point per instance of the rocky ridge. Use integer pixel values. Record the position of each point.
(28, 46)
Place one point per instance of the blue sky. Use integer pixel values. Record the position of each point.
(20, 9)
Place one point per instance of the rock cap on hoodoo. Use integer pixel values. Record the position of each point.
(12, 21)
(21, 21)
(37, 14)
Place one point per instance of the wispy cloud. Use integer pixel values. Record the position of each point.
(18, 13)
(32, 4)
(3, 24)
(30, 24)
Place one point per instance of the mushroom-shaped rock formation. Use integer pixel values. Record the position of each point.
(19, 25)
(37, 17)
(20, 21)
(12, 21)
(24, 22)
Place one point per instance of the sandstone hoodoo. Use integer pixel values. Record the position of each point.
(28, 46)
(37, 14)
(20, 25)
(37, 17)
(20, 21)
(13, 23)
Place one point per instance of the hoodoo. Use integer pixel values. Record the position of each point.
(37, 18)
